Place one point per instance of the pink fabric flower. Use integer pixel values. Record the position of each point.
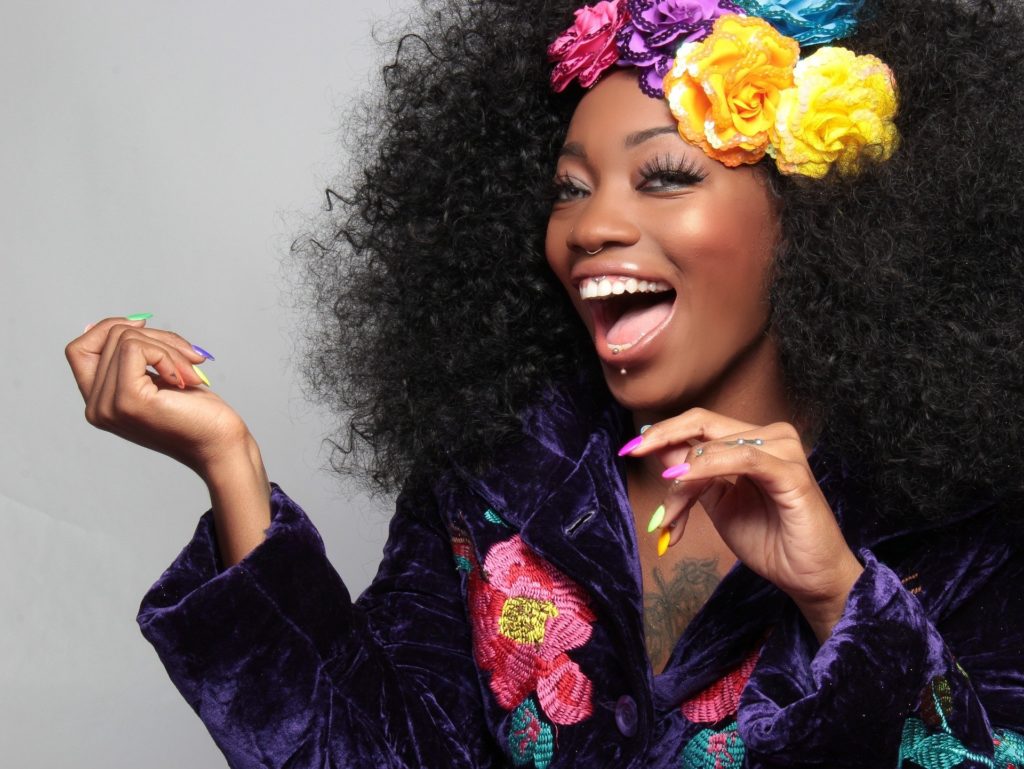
(525, 616)
(587, 48)
(721, 699)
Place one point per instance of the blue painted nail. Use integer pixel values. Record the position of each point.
(203, 352)
(677, 470)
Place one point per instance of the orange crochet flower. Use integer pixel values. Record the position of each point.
(724, 91)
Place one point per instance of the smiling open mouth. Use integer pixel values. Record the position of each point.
(626, 310)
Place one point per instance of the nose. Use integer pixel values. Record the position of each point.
(602, 220)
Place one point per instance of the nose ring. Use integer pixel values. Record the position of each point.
(592, 253)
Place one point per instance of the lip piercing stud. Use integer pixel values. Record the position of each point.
(699, 451)
(622, 371)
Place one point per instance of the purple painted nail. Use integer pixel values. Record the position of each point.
(631, 445)
(203, 352)
(677, 470)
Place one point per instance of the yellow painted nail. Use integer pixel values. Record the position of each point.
(656, 519)
(663, 542)
(201, 375)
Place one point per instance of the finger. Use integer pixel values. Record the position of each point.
(169, 338)
(128, 383)
(672, 532)
(785, 480)
(779, 439)
(83, 353)
(692, 426)
(679, 502)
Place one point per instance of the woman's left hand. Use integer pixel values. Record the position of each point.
(759, 492)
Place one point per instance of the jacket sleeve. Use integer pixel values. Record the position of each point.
(905, 680)
(285, 670)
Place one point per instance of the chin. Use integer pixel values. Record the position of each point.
(643, 390)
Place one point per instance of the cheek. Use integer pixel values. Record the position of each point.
(555, 249)
(724, 261)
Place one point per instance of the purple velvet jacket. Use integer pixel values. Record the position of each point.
(504, 628)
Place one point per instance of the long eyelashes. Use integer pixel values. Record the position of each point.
(564, 187)
(660, 172)
(678, 170)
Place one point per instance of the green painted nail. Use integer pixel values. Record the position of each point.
(139, 316)
(656, 519)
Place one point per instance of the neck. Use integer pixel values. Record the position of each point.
(751, 390)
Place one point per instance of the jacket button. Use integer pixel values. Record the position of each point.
(626, 715)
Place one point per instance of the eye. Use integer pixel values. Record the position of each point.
(565, 189)
(665, 172)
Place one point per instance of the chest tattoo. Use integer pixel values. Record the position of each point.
(671, 601)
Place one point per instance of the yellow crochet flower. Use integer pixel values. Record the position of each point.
(725, 90)
(839, 112)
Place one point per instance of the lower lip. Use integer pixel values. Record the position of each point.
(641, 349)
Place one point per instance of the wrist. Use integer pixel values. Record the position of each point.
(825, 608)
(240, 496)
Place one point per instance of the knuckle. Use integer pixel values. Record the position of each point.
(751, 456)
(785, 430)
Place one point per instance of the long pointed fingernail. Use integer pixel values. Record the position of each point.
(663, 542)
(631, 445)
(677, 470)
(139, 316)
(203, 352)
(201, 375)
(656, 519)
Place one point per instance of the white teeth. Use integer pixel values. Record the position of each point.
(598, 288)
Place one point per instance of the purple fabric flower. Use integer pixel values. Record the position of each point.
(656, 29)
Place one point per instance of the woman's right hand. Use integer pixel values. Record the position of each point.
(172, 413)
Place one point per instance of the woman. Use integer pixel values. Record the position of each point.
(811, 555)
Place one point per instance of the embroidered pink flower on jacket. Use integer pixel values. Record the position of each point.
(587, 48)
(722, 698)
(526, 615)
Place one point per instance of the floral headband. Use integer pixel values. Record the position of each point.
(733, 78)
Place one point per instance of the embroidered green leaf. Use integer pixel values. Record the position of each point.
(530, 738)
(714, 749)
(934, 751)
(1009, 748)
(493, 517)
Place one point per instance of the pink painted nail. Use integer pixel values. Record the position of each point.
(677, 470)
(631, 445)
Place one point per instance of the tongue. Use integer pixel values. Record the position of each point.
(636, 323)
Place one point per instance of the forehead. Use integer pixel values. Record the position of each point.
(615, 108)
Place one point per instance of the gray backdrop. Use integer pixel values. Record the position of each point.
(155, 156)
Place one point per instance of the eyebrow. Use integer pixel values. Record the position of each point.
(575, 149)
(641, 136)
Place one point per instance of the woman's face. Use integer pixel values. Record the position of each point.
(665, 254)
